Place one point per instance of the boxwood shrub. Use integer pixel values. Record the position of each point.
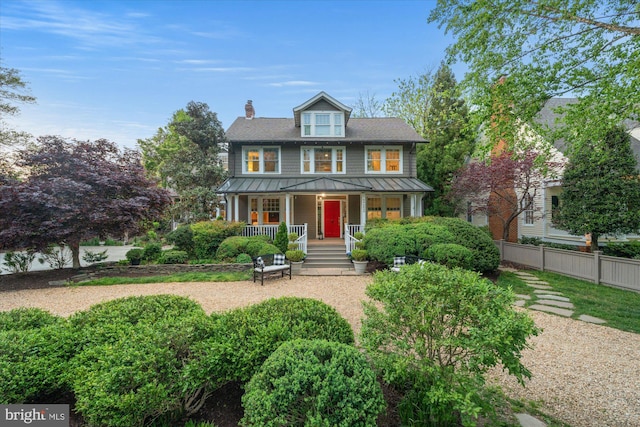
(316, 383)
(23, 318)
(451, 255)
(182, 239)
(233, 246)
(244, 338)
(208, 235)
(173, 257)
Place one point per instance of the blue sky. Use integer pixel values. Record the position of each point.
(119, 69)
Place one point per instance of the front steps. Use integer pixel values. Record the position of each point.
(327, 255)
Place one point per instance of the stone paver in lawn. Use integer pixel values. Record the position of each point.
(556, 310)
(591, 319)
(546, 292)
(539, 286)
(520, 296)
(554, 303)
(556, 297)
(520, 303)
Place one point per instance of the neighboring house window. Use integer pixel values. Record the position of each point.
(383, 159)
(266, 209)
(323, 160)
(261, 159)
(323, 123)
(469, 212)
(555, 205)
(527, 204)
(384, 207)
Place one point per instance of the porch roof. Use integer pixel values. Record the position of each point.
(323, 184)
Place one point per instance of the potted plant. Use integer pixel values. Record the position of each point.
(359, 257)
(296, 257)
(134, 255)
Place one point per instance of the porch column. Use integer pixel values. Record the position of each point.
(287, 209)
(363, 209)
(236, 208)
(413, 205)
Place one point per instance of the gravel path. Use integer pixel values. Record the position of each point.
(584, 374)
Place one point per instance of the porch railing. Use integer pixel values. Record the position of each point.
(272, 230)
(349, 240)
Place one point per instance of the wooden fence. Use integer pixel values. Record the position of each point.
(594, 267)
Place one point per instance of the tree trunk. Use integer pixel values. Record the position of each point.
(75, 254)
(594, 242)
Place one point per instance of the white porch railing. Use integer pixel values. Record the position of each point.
(349, 240)
(272, 230)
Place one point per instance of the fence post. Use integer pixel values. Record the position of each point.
(542, 257)
(596, 265)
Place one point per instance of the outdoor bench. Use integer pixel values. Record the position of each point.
(400, 260)
(269, 264)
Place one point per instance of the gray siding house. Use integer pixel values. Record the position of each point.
(321, 169)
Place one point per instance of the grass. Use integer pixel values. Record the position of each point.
(178, 277)
(620, 308)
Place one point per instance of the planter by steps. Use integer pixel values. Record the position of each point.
(296, 267)
(360, 266)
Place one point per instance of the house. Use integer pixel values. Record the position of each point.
(538, 220)
(321, 170)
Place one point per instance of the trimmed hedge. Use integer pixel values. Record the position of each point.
(22, 319)
(451, 255)
(317, 383)
(182, 239)
(233, 246)
(208, 235)
(173, 257)
(385, 239)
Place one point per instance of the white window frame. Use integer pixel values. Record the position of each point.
(383, 159)
(260, 201)
(334, 160)
(308, 125)
(527, 213)
(260, 150)
(383, 204)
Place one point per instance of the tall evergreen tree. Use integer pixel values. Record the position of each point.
(601, 188)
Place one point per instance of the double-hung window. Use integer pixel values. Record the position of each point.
(389, 207)
(383, 159)
(527, 205)
(323, 160)
(323, 124)
(261, 160)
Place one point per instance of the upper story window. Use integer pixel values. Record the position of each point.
(323, 160)
(527, 205)
(261, 159)
(323, 123)
(383, 159)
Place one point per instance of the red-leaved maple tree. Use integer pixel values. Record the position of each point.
(74, 191)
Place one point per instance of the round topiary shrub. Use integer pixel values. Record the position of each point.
(450, 255)
(242, 339)
(316, 383)
(173, 257)
(152, 251)
(182, 239)
(244, 259)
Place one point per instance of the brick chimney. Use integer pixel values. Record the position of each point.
(250, 113)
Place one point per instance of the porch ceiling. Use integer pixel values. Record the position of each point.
(323, 184)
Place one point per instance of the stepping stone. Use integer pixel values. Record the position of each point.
(553, 297)
(555, 310)
(533, 285)
(57, 283)
(546, 292)
(520, 303)
(520, 296)
(527, 420)
(509, 269)
(591, 319)
(562, 304)
(522, 274)
(538, 282)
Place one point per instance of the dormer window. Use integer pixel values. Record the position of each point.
(322, 124)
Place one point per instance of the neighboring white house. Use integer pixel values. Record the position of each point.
(538, 221)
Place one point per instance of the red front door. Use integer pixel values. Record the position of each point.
(332, 218)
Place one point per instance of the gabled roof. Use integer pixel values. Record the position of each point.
(321, 96)
(372, 130)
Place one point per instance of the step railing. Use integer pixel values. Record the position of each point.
(349, 240)
(272, 230)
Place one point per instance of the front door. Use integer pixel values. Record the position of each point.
(332, 218)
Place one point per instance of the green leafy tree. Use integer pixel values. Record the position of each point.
(12, 89)
(367, 106)
(184, 155)
(601, 188)
(549, 48)
(434, 333)
(410, 101)
(450, 140)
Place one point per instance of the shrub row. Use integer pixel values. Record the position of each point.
(202, 239)
(132, 360)
(467, 246)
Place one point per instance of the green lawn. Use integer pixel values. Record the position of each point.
(178, 277)
(620, 308)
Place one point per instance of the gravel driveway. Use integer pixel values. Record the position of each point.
(584, 374)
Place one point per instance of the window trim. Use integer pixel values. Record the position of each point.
(260, 150)
(383, 204)
(334, 161)
(333, 125)
(383, 159)
(528, 212)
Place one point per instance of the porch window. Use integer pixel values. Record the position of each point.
(393, 208)
(374, 207)
(323, 160)
(261, 160)
(271, 211)
(384, 207)
(323, 124)
(383, 159)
